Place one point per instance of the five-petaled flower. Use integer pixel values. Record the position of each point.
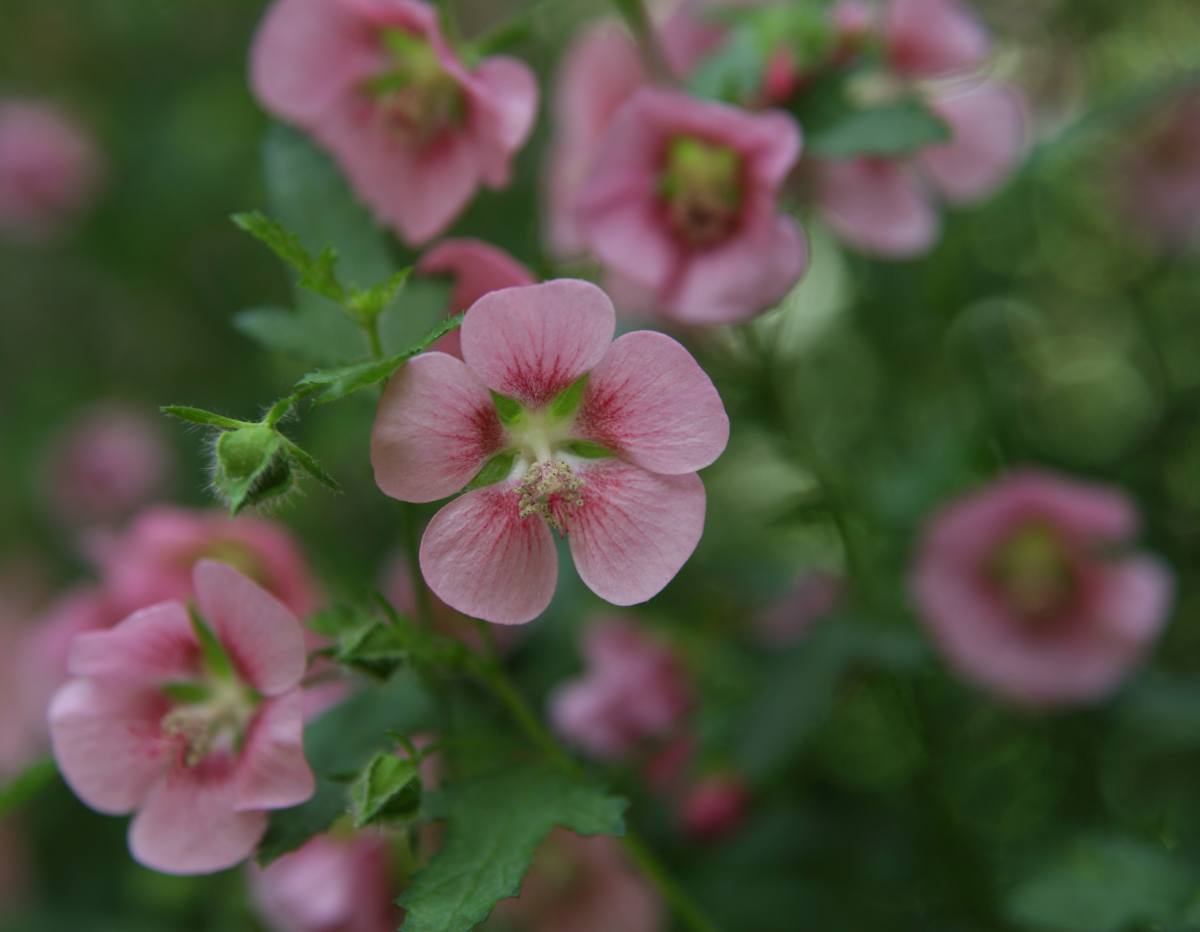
(196, 728)
(1028, 592)
(376, 83)
(554, 426)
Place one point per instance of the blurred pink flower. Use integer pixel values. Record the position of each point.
(152, 725)
(812, 597)
(932, 38)
(714, 807)
(633, 690)
(581, 885)
(1160, 175)
(109, 460)
(611, 466)
(151, 560)
(1029, 589)
(331, 884)
(376, 83)
(475, 268)
(682, 200)
(50, 170)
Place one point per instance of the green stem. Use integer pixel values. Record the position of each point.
(412, 551)
(685, 908)
(639, 23)
(371, 329)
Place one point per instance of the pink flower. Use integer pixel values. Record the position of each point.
(932, 38)
(109, 460)
(332, 884)
(634, 690)
(682, 200)
(376, 83)
(601, 70)
(200, 748)
(1030, 591)
(812, 597)
(581, 885)
(608, 461)
(475, 268)
(50, 170)
(1160, 175)
(715, 807)
(151, 561)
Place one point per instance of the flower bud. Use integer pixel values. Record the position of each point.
(252, 466)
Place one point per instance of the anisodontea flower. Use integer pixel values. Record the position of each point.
(932, 38)
(376, 83)
(714, 807)
(555, 427)
(194, 725)
(634, 690)
(1031, 591)
(681, 200)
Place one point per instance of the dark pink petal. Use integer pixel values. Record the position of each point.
(153, 646)
(108, 742)
(435, 428)
(476, 268)
(481, 557)
(531, 343)
(188, 823)
(988, 123)
(649, 401)
(876, 206)
(262, 636)
(929, 38)
(634, 530)
(272, 772)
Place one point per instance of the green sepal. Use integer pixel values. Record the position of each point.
(567, 402)
(497, 469)
(202, 417)
(305, 461)
(387, 788)
(589, 450)
(509, 410)
(188, 692)
(251, 467)
(216, 659)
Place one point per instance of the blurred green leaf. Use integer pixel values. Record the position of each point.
(313, 332)
(893, 129)
(389, 787)
(496, 822)
(26, 784)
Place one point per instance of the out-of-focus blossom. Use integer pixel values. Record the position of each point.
(580, 885)
(1160, 175)
(331, 884)
(108, 461)
(475, 268)
(714, 807)
(50, 170)
(151, 560)
(932, 38)
(200, 748)
(376, 83)
(608, 461)
(811, 598)
(601, 70)
(682, 200)
(634, 690)
(1030, 589)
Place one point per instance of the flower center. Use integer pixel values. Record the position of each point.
(215, 721)
(552, 490)
(1033, 571)
(702, 190)
(415, 96)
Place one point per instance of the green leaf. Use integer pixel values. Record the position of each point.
(376, 649)
(26, 784)
(216, 659)
(509, 410)
(309, 464)
(567, 402)
(338, 744)
(494, 470)
(316, 275)
(331, 622)
(368, 303)
(589, 449)
(200, 416)
(893, 129)
(314, 333)
(389, 787)
(495, 824)
(1102, 884)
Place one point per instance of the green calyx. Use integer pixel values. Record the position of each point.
(702, 188)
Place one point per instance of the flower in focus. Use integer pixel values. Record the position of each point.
(198, 730)
(331, 884)
(1029, 589)
(550, 425)
(378, 86)
(682, 201)
(108, 461)
(714, 807)
(50, 170)
(580, 884)
(634, 690)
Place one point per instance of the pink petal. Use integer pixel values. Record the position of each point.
(649, 401)
(929, 38)
(479, 556)
(188, 824)
(272, 770)
(876, 206)
(306, 54)
(988, 123)
(1137, 599)
(435, 428)
(108, 742)
(531, 343)
(510, 92)
(476, 268)
(262, 636)
(153, 646)
(634, 530)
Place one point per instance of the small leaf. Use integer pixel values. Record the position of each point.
(567, 402)
(389, 787)
(376, 649)
(200, 416)
(311, 466)
(589, 449)
(495, 470)
(509, 410)
(893, 129)
(368, 303)
(316, 275)
(216, 659)
(333, 621)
